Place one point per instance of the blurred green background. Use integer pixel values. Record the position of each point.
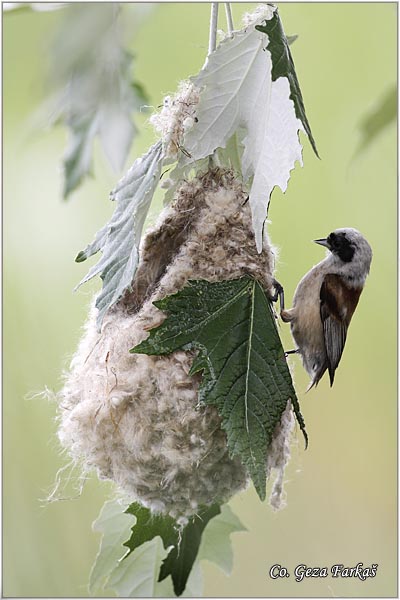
(341, 492)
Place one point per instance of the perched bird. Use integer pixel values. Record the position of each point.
(325, 300)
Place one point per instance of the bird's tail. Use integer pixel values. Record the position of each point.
(317, 377)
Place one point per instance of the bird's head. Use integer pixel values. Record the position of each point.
(348, 245)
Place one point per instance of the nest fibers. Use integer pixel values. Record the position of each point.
(135, 418)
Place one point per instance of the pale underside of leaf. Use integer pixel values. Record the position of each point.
(136, 576)
(91, 74)
(216, 544)
(238, 92)
(78, 154)
(226, 78)
(119, 239)
(182, 542)
(194, 586)
(114, 525)
(116, 132)
(271, 149)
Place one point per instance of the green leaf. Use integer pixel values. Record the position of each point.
(283, 66)
(114, 525)
(137, 574)
(183, 542)
(140, 92)
(206, 537)
(245, 374)
(97, 244)
(180, 560)
(148, 525)
(384, 113)
(216, 544)
(119, 239)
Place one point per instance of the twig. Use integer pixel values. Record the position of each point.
(229, 20)
(212, 44)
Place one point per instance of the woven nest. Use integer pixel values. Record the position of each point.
(135, 418)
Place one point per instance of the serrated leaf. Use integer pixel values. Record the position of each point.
(78, 154)
(148, 525)
(216, 544)
(180, 560)
(97, 244)
(227, 81)
(91, 75)
(114, 524)
(238, 91)
(271, 148)
(245, 374)
(137, 574)
(283, 66)
(116, 132)
(119, 239)
(183, 543)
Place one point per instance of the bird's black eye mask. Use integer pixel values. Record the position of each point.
(340, 245)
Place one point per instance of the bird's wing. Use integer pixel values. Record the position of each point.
(338, 303)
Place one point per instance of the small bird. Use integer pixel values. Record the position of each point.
(325, 300)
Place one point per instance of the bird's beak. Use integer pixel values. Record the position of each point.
(322, 242)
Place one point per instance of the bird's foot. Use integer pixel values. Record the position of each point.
(279, 293)
(287, 315)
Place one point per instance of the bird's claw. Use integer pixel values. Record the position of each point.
(279, 293)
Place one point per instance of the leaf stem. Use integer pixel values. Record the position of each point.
(229, 20)
(212, 43)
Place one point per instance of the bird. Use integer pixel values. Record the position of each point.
(325, 300)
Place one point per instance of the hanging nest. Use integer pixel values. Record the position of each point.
(136, 418)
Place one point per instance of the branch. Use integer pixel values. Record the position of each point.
(229, 20)
(212, 44)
